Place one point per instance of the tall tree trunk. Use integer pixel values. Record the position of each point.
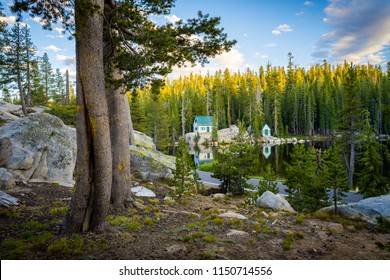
(120, 131)
(351, 164)
(67, 101)
(90, 203)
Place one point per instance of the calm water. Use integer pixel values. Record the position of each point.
(278, 154)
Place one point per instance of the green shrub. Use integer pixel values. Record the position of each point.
(64, 246)
(207, 166)
(210, 238)
(66, 113)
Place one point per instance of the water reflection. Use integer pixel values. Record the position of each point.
(276, 155)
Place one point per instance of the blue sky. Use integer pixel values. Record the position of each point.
(266, 31)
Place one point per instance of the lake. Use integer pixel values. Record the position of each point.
(276, 155)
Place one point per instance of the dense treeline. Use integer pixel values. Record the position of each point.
(290, 100)
(28, 74)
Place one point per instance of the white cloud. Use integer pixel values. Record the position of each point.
(8, 20)
(38, 20)
(283, 28)
(52, 48)
(173, 18)
(260, 55)
(270, 45)
(59, 30)
(360, 31)
(308, 3)
(68, 60)
(233, 60)
(301, 13)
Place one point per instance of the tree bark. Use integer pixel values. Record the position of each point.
(67, 101)
(120, 140)
(90, 203)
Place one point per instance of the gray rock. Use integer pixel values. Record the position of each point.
(234, 232)
(39, 148)
(7, 112)
(368, 209)
(334, 227)
(274, 202)
(142, 192)
(6, 200)
(176, 249)
(149, 164)
(229, 134)
(232, 215)
(142, 140)
(6, 180)
(218, 195)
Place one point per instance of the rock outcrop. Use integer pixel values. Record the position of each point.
(147, 163)
(10, 112)
(274, 202)
(369, 209)
(7, 181)
(39, 148)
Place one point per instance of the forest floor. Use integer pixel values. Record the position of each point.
(190, 229)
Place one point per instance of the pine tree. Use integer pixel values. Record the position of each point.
(184, 176)
(269, 182)
(234, 162)
(15, 61)
(335, 176)
(370, 180)
(30, 51)
(58, 95)
(47, 76)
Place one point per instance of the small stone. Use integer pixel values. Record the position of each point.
(232, 215)
(218, 195)
(234, 232)
(141, 191)
(334, 228)
(175, 249)
(7, 181)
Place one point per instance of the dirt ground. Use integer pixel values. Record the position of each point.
(189, 229)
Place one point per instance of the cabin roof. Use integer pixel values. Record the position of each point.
(204, 120)
(266, 127)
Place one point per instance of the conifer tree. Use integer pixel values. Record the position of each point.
(185, 175)
(335, 176)
(370, 180)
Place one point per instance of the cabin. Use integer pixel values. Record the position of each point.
(203, 124)
(266, 131)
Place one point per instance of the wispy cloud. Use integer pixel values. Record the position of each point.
(173, 18)
(360, 31)
(68, 60)
(283, 28)
(39, 20)
(308, 3)
(298, 14)
(52, 48)
(260, 55)
(270, 45)
(233, 60)
(8, 20)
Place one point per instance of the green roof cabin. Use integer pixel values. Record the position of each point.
(266, 130)
(203, 124)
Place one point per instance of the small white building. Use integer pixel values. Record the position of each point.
(203, 124)
(266, 131)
